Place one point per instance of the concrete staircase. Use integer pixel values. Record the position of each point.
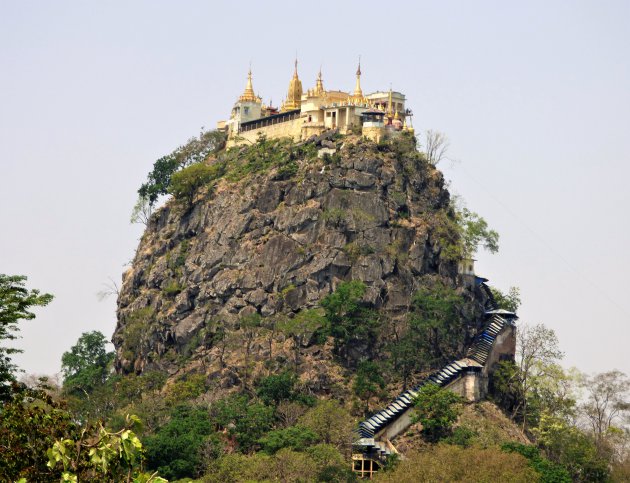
(374, 433)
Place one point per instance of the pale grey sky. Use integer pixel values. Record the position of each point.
(535, 97)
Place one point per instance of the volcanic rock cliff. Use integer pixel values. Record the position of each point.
(274, 243)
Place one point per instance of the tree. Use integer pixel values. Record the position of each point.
(142, 211)
(436, 409)
(88, 364)
(250, 325)
(16, 302)
(301, 329)
(243, 419)
(368, 383)
(331, 422)
(195, 150)
(349, 321)
(175, 450)
(185, 183)
(436, 146)
(453, 463)
(297, 438)
(537, 350)
(567, 445)
(510, 301)
(30, 423)
(475, 232)
(277, 387)
(607, 404)
(435, 323)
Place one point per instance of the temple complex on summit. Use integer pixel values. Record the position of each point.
(303, 114)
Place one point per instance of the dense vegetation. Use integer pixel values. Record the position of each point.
(269, 425)
(275, 430)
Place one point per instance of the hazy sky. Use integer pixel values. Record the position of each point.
(534, 96)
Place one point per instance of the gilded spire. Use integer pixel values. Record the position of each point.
(358, 93)
(319, 84)
(294, 96)
(390, 111)
(249, 95)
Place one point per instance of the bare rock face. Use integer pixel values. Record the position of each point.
(275, 246)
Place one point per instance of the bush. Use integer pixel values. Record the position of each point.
(175, 449)
(247, 421)
(331, 422)
(464, 465)
(277, 387)
(461, 436)
(348, 320)
(185, 183)
(297, 438)
(436, 409)
(549, 472)
(196, 150)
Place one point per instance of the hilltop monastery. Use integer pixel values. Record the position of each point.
(310, 112)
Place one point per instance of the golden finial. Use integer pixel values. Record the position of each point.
(249, 95)
(294, 96)
(390, 111)
(319, 83)
(358, 93)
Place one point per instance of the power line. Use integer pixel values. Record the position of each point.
(544, 242)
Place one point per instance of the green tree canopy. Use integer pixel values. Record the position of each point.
(16, 302)
(348, 319)
(196, 150)
(436, 409)
(87, 364)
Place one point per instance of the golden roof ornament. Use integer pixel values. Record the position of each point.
(358, 93)
(248, 95)
(390, 111)
(294, 96)
(319, 84)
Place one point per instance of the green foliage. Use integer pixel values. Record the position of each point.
(245, 420)
(175, 450)
(87, 365)
(460, 232)
(176, 260)
(510, 301)
(330, 421)
(297, 438)
(475, 232)
(355, 250)
(16, 302)
(187, 388)
(436, 409)
(196, 150)
(30, 422)
(461, 436)
(277, 387)
(335, 216)
(434, 334)
(549, 472)
(302, 328)
(266, 154)
(99, 454)
(568, 446)
(348, 320)
(465, 465)
(172, 288)
(185, 183)
(135, 331)
(369, 382)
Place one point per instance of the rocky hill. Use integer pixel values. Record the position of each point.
(275, 233)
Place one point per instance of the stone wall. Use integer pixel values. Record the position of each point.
(292, 129)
